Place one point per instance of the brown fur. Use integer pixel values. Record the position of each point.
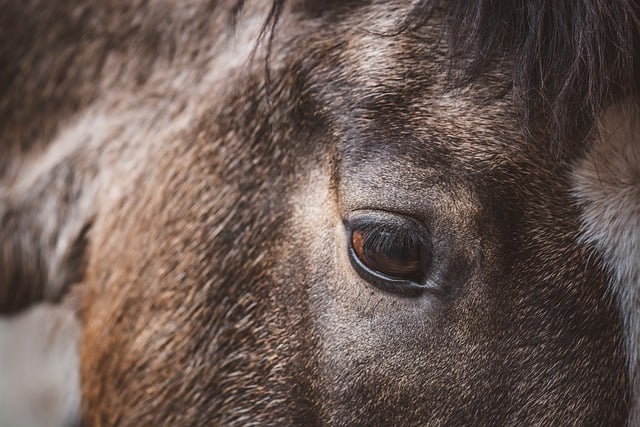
(197, 213)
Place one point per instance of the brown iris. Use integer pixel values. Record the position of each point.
(390, 253)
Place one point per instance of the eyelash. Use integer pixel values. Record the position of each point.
(384, 234)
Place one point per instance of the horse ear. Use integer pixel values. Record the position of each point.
(607, 186)
(45, 219)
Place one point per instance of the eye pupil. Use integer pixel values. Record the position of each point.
(390, 254)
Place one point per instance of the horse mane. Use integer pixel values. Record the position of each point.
(572, 58)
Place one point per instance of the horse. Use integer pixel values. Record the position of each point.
(413, 212)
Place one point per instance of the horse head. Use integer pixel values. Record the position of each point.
(344, 213)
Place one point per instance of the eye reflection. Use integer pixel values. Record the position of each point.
(388, 253)
(391, 252)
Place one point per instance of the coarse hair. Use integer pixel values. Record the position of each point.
(572, 58)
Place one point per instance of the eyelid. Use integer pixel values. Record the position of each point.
(403, 228)
(371, 219)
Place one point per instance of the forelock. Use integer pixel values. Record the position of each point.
(571, 59)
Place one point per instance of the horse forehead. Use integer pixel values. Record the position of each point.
(379, 88)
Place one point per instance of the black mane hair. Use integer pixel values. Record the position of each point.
(572, 57)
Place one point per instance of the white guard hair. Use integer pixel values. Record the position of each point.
(607, 185)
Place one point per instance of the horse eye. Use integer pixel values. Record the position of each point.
(392, 257)
(385, 253)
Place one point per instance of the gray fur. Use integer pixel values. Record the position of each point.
(190, 206)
